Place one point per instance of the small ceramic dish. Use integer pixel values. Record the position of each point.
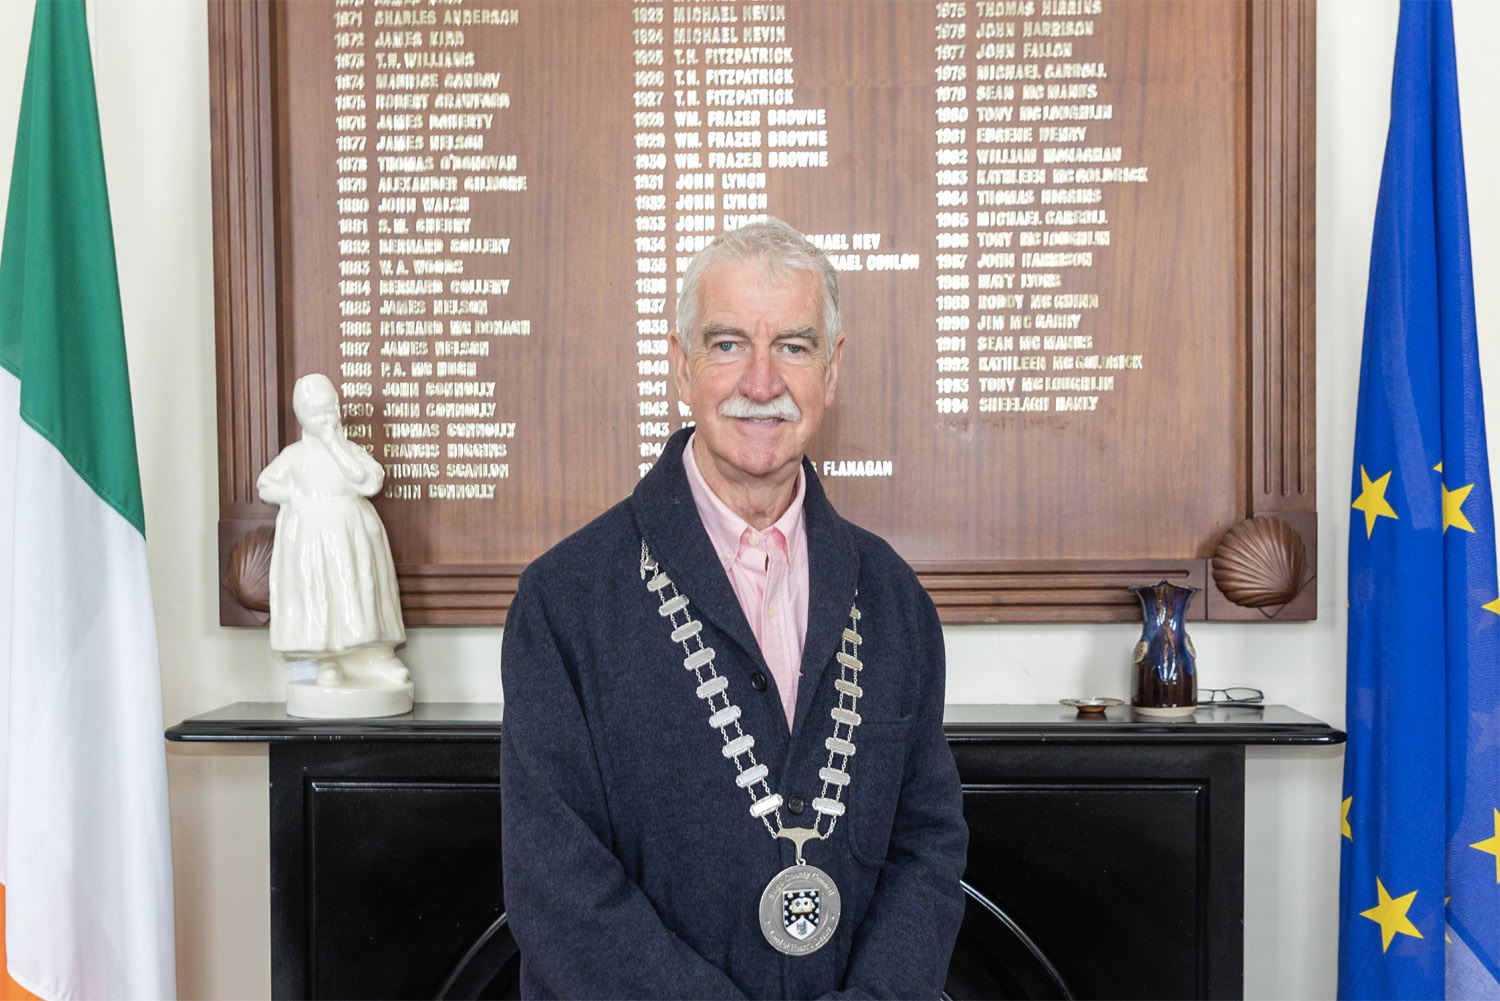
(1091, 707)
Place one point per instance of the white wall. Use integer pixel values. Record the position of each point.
(151, 64)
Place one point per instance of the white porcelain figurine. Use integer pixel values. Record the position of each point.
(333, 584)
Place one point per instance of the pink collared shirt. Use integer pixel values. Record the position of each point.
(768, 570)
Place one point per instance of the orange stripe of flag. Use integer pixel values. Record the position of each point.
(9, 989)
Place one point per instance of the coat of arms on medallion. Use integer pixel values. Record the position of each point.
(800, 912)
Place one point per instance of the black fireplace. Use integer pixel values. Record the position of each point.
(1106, 856)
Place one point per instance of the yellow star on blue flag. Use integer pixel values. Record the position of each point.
(1371, 500)
(1390, 915)
(1453, 508)
(1421, 774)
(1491, 845)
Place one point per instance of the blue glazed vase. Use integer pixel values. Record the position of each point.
(1166, 672)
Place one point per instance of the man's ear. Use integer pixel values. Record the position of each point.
(833, 370)
(679, 366)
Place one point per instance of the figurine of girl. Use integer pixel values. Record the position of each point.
(333, 595)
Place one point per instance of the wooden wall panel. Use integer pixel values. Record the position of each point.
(1195, 465)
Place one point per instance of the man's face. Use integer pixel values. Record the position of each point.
(758, 348)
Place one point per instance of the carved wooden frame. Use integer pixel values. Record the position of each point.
(1280, 529)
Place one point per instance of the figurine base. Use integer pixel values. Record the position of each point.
(311, 700)
(1165, 711)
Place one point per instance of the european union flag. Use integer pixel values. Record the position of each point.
(1420, 886)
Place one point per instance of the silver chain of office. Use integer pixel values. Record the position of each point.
(725, 715)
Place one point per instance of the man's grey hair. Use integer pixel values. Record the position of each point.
(781, 250)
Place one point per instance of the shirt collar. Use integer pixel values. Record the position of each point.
(724, 527)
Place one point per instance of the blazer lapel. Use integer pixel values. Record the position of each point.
(668, 519)
(833, 574)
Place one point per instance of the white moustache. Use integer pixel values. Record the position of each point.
(782, 408)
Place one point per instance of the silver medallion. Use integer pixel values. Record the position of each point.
(799, 910)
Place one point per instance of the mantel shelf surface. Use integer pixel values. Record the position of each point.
(1022, 724)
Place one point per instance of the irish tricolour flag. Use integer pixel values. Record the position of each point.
(85, 859)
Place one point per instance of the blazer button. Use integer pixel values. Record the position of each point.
(794, 803)
(758, 681)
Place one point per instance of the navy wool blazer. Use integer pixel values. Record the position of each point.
(632, 866)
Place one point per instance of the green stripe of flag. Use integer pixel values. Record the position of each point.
(61, 331)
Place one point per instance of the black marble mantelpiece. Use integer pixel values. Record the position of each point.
(1106, 855)
(269, 722)
(1240, 725)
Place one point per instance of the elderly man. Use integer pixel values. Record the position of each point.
(723, 768)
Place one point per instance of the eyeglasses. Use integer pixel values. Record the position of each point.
(1230, 696)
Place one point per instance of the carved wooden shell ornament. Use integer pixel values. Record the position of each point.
(248, 576)
(1260, 563)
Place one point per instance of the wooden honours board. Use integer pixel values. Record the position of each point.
(1074, 236)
